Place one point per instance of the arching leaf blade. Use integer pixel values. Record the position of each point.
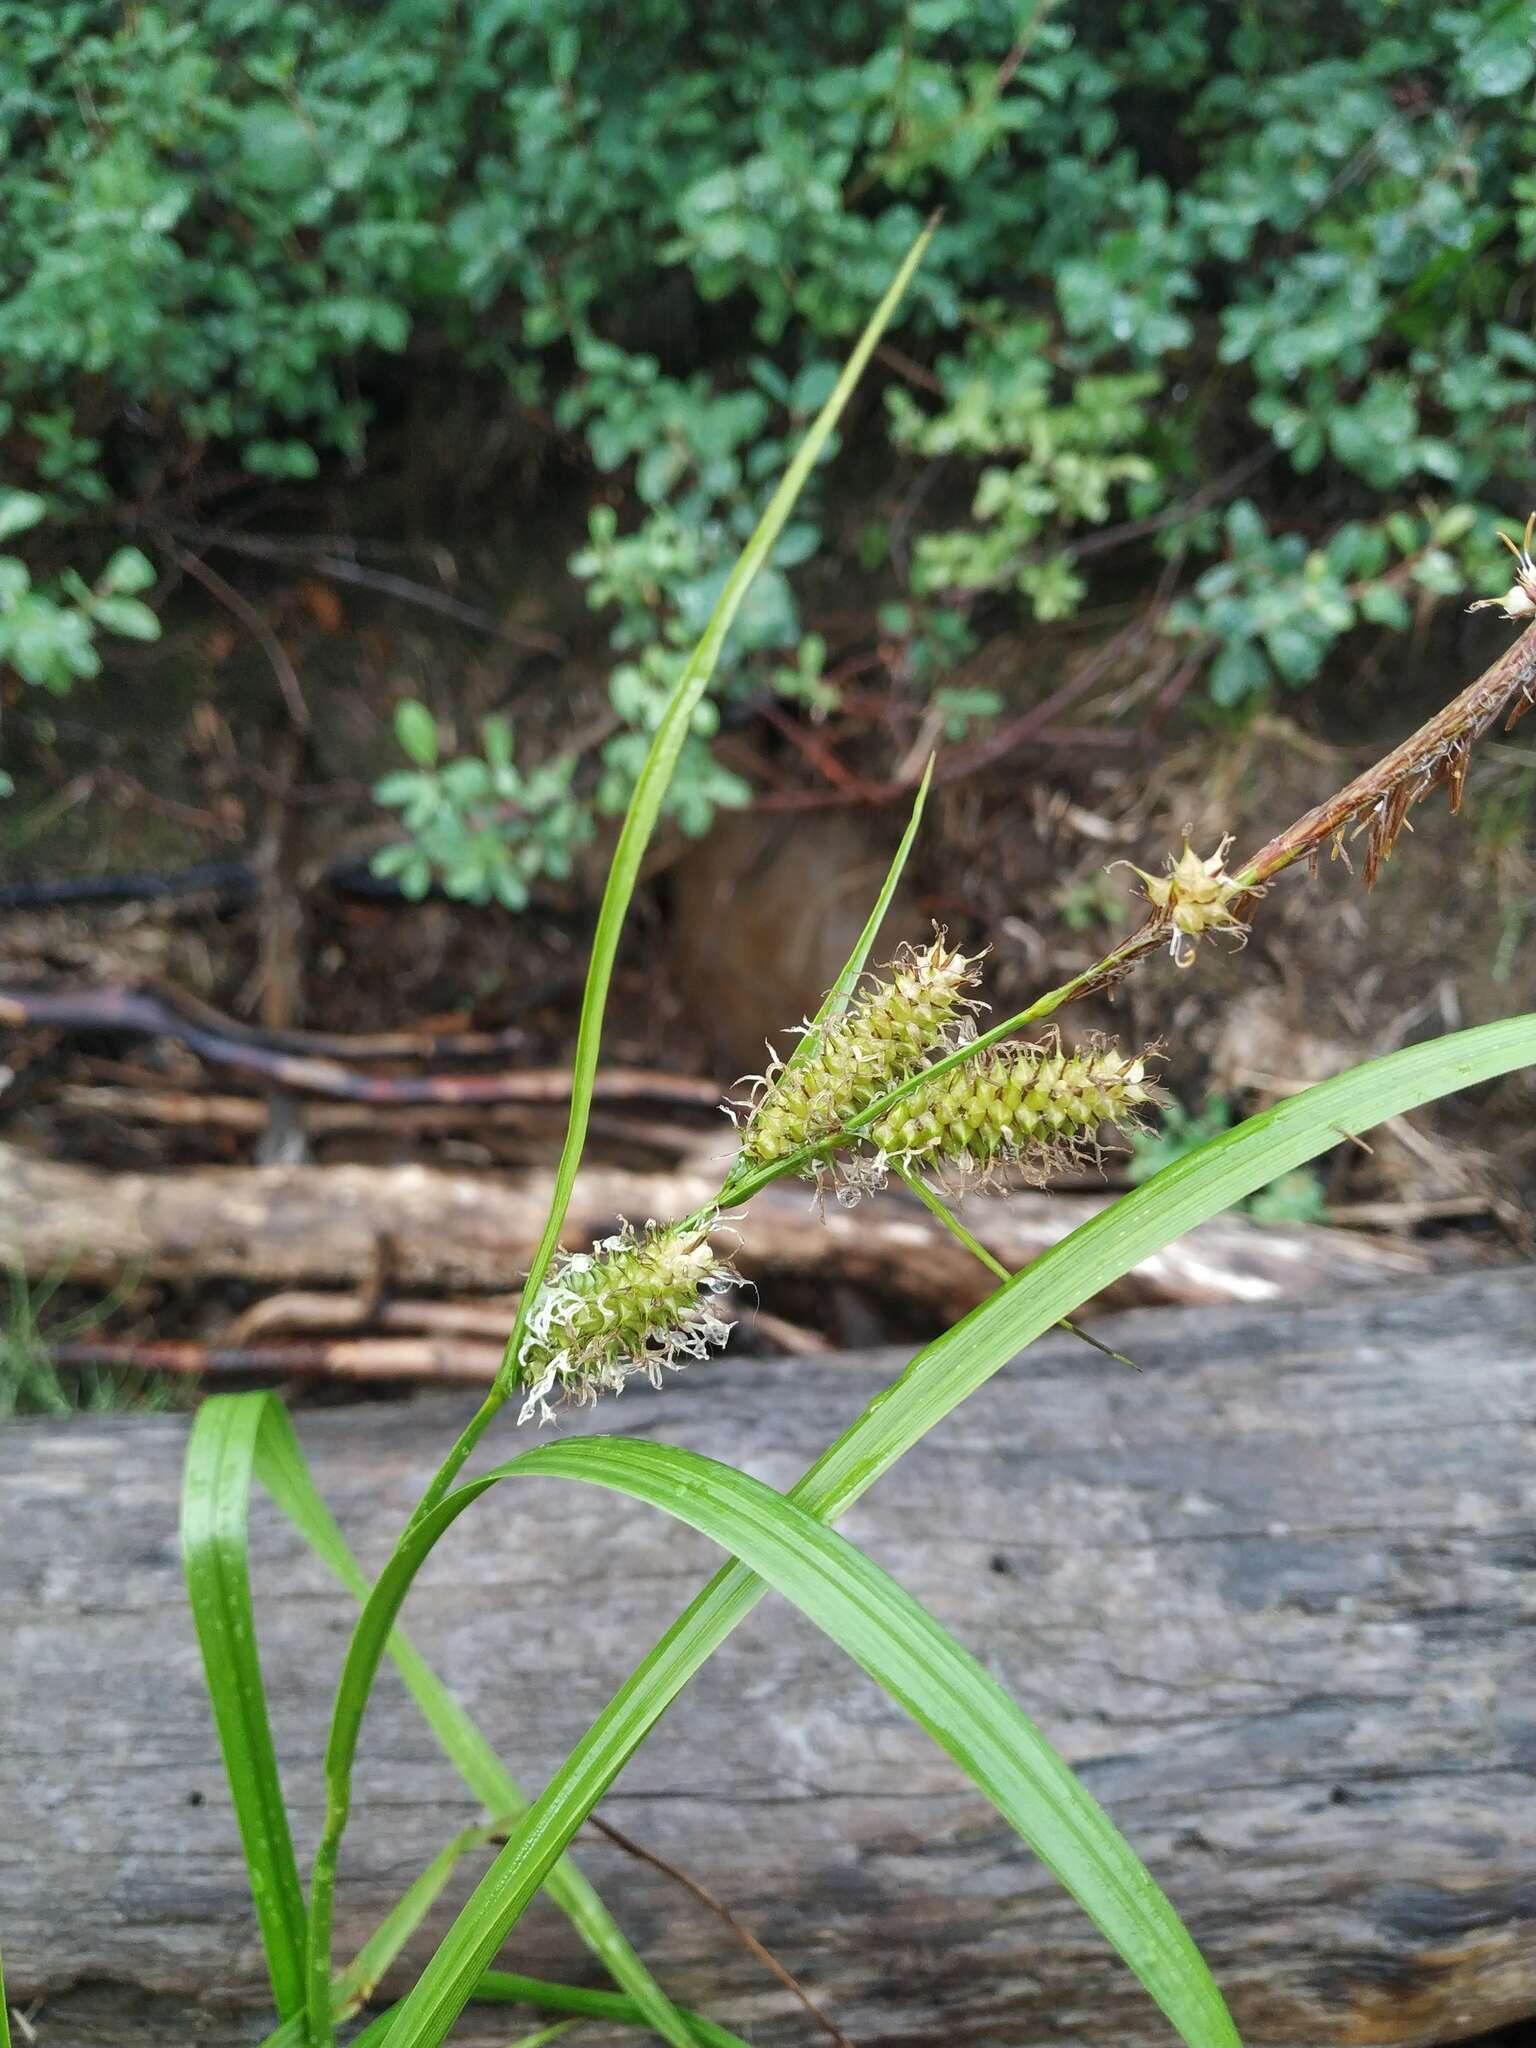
(1108, 1245)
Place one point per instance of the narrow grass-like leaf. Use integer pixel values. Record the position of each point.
(661, 765)
(280, 1468)
(355, 1985)
(837, 995)
(1103, 1249)
(836, 998)
(501, 1987)
(887, 1632)
(892, 1637)
(215, 1496)
(639, 823)
(5, 2011)
(936, 1206)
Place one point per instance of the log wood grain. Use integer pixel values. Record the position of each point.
(1275, 1597)
(428, 1227)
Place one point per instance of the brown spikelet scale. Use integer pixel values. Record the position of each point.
(1030, 1106)
(894, 1028)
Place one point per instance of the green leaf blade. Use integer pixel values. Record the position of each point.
(640, 819)
(215, 1495)
(836, 998)
(1222, 1172)
(281, 1469)
(904, 1649)
(661, 765)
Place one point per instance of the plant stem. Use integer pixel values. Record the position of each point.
(978, 1250)
(951, 1221)
(1436, 754)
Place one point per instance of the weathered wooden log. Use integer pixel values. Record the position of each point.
(427, 1227)
(1275, 1598)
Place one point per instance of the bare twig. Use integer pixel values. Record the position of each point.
(338, 569)
(528, 1123)
(722, 1912)
(226, 594)
(356, 1358)
(309, 1310)
(137, 1013)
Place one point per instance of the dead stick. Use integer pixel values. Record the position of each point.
(722, 1912)
(129, 1011)
(305, 1309)
(352, 1358)
(287, 675)
(105, 1003)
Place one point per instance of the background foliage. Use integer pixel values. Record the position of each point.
(1245, 287)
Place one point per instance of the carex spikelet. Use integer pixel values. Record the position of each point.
(902, 1020)
(1030, 1106)
(636, 1303)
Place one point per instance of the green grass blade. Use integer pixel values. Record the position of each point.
(940, 1209)
(1109, 1245)
(357, 1982)
(355, 1985)
(837, 996)
(639, 823)
(1104, 1248)
(5, 2011)
(904, 1649)
(216, 1487)
(501, 1987)
(661, 765)
(281, 1470)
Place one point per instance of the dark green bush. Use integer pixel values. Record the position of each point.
(1181, 234)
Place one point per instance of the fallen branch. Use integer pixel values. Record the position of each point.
(250, 1115)
(304, 1226)
(448, 1359)
(1275, 1600)
(349, 1358)
(166, 1011)
(301, 1310)
(225, 1042)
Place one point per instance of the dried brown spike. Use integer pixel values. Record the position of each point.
(1506, 688)
(1398, 804)
(1376, 851)
(1454, 773)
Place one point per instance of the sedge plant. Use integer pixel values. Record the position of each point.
(892, 1079)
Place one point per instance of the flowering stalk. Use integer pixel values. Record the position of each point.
(633, 1304)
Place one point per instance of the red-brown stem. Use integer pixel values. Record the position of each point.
(1437, 753)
